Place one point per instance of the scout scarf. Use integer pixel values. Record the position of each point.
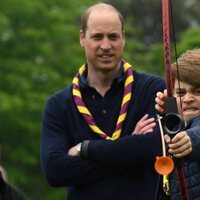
(124, 105)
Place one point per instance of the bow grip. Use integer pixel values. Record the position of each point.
(170, 105)
(173, 123)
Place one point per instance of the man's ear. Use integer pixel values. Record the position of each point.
(81, 38)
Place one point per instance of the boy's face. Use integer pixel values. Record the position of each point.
(190, 99)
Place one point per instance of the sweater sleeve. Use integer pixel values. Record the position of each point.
(194, 134)
(133, 150)
(59, 168)
(126, 152)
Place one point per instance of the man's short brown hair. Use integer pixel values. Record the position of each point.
(102, 6)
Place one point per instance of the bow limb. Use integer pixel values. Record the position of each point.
(171, 109)
(170, 105)
(167, 46)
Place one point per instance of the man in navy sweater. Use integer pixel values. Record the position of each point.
(90, 130)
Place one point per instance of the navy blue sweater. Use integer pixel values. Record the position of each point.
(114, 170)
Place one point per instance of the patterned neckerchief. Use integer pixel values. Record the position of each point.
(124, 105)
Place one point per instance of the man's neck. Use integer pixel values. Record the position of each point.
(101, 80)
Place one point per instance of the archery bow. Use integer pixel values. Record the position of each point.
(172, 119)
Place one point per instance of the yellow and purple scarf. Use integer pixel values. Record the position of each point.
(124, 105)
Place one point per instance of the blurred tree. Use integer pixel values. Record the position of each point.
(154, 60)
(145, 17)
(189, 39)
(40, 53)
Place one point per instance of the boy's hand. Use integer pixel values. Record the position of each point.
(160, 101)
(180, 145)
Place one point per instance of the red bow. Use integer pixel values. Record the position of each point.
(171, 105)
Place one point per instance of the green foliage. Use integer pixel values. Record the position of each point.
(39, 54)
(153, 60)
(146, 17)
(39, 48)
(189, 40)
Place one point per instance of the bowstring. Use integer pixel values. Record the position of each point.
(180, 170)
(175, 50)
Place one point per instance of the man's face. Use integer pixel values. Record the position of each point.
(190, 99)
(103, 41)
